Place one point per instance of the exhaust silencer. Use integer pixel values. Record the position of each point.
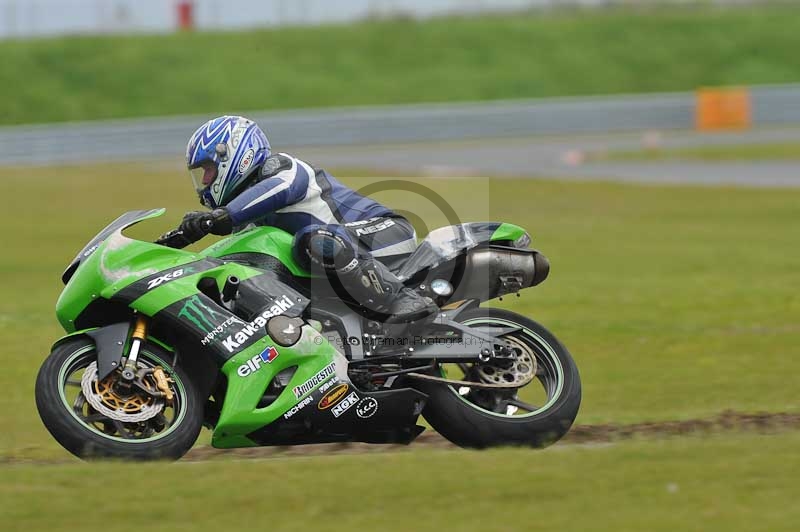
(494, 271)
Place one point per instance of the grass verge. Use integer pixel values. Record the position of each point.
(398, 61)
(735, 482)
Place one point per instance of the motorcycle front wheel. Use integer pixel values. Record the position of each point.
(97, 418)
(535, 414)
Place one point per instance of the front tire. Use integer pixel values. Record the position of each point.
(475, 418)
(106, 425)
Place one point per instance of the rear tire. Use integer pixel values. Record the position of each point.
(87, 433)
(469, 423)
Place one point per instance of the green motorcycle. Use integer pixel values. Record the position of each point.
(239, 338)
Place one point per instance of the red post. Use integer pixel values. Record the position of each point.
(186, 15)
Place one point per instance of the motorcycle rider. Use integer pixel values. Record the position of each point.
(336, 230)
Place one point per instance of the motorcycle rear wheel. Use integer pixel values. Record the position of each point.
(481, 418)
(107, 425)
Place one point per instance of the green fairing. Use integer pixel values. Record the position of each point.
(70, 336)
(82, 289)
(240, 415)
(267, 240)
(199, 314)
(507, 232)
(82, 332)
(119, 261)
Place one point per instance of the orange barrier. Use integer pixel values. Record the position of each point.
(726, 108)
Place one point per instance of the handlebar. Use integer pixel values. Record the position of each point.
(173, 239)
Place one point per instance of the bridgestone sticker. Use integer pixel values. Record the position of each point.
(323, 374)
(345, 404)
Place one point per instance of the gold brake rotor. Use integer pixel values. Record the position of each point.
(129, 405)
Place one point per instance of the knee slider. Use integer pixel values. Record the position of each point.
(329, 250)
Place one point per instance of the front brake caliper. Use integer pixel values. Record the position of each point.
(163, 382)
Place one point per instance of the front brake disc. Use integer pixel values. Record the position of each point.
(102, 397)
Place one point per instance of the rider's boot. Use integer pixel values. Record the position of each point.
(372, 284)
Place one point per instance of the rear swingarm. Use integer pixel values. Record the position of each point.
(470, 345)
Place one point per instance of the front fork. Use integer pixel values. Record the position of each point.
(137, 338)
(130, 371)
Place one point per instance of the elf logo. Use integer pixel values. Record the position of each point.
(333, 397)
(236, 340)
(152, 283)
(254, 364)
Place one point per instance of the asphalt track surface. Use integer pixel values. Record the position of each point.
(730, 422)
(569, 158)
(726, 422)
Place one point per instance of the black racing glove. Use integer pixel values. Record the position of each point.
(195, 225)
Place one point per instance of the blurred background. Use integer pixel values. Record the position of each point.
(652, 150)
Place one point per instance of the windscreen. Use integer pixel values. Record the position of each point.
(126, 220)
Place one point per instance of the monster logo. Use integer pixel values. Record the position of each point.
(201, 315)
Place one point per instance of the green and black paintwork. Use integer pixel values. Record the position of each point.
(269, 390)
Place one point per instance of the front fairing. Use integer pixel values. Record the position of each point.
(109, 263)
(123, 222)
(163, 283)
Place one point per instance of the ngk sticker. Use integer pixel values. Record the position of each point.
(345, 404)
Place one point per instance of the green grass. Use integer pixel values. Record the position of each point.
(676, 302)
(399, 61)
(779, 151)
(719, 483)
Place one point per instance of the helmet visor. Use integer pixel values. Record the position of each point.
(203, 175)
